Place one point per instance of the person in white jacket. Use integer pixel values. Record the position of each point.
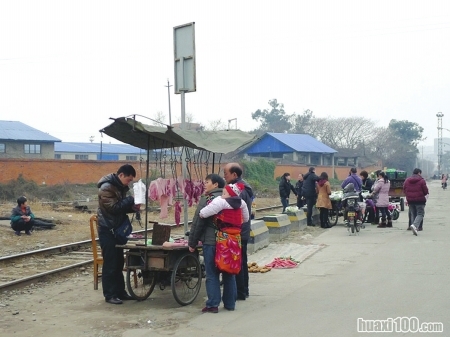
(229, 212)
(230, 209)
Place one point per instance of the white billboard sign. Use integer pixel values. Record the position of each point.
(184, 57)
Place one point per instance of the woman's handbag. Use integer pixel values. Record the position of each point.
(228, 250)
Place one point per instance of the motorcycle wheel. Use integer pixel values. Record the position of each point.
(357, 227)
(395, 214)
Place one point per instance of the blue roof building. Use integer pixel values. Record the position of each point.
(300, 148)
(98, 151)
(18, 140)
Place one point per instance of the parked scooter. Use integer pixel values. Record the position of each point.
(393, 208)
(352, 208)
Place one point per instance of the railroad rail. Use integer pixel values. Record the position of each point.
(24, 268)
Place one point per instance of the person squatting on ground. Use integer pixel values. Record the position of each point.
(381, 197)
(285, 188)
(232, 173)
(309, 193)
(229, 212)
(354, 179)
(204, 230)
(113, 206)
(323, 199)
(298, 189)
(416, 192)
(22, 219)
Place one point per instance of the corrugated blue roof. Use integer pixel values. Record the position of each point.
(95, 148)
(288, 142)
(13, 130)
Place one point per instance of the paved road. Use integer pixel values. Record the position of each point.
(380, 274)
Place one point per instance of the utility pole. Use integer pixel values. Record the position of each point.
(168, 94)
(439, 115)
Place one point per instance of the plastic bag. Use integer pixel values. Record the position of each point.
(139, 190)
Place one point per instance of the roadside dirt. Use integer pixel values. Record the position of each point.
(72, 225)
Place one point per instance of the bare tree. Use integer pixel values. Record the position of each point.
(343, 132)
(159, 119)
(216, 125)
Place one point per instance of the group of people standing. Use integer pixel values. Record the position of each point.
(316, 190)
(311, 190)
(225, 205)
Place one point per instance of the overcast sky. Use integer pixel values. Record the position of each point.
(66, 67)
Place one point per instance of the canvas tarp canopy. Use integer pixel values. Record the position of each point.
(149, 137)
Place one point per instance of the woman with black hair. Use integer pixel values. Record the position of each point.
(323, 189)
(381, 193)
(285, 190)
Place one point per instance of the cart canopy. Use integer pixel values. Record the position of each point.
(149, 137)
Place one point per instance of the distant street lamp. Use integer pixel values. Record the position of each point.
(439, 115)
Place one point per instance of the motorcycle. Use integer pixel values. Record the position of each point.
(354, 213)
(393, 208)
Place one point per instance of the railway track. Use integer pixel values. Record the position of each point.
(22, 269)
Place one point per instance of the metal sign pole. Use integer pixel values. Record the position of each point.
(183, 165)
(184, 66)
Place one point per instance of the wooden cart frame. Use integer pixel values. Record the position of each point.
(169, 266)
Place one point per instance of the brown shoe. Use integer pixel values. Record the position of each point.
(381, 225)
(389, 223)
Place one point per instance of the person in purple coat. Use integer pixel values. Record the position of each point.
(354, 179)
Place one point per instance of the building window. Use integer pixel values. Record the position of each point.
(2, 148)
(32, 148)
(57, 156)
(81, 157)
(131, 158)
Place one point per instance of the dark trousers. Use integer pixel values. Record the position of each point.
(384, 213)
(21, 225)
(310, 202)
(323, 216)
(242, 277)
(300, 202)
(285, 203)
(113, 282)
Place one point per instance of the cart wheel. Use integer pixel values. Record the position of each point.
(186, 279)
(140, 283)
(333, 214)
(395, 214)
(402, 204)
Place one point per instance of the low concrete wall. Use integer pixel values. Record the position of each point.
(298, 220)
(259, 236)
(279, 226)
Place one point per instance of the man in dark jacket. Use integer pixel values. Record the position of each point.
(416, 192)
(298, 190)
(367, 184)
(113, 206)
(285, 189)
(232, 173)
(309, 193)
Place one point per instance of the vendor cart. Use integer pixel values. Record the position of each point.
(148, 265)
(396, 193)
